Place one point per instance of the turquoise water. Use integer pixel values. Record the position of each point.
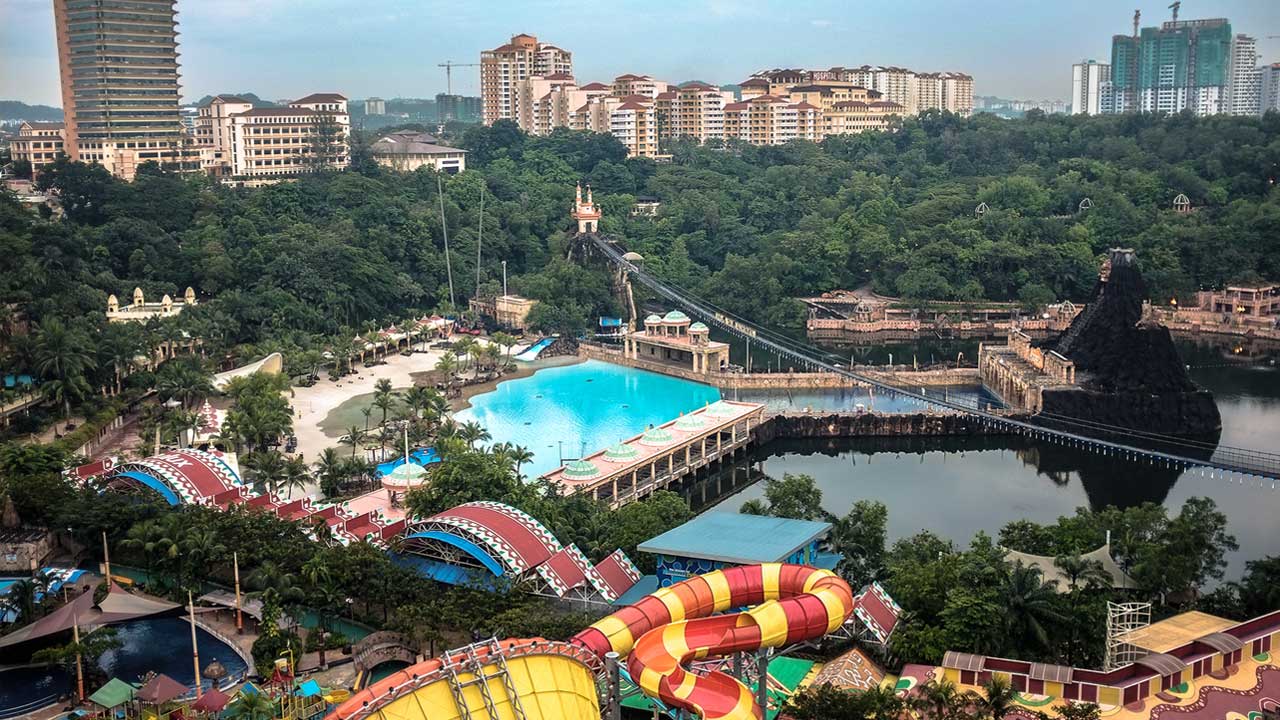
(580, 408)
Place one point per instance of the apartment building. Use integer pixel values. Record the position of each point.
(118, 62)
(957, 93)
(1180, 65)
(626, 85)
(504, 67)
(851, 117)
(1244, 77)
(1269, 88)
(254, 146)
(695, 110)
(531, 111)
(1089, 82)
(771, 120)
(39, 143)
(915, 92)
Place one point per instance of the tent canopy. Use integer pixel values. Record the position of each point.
(161, 689)
(117, 607)
(114, 694)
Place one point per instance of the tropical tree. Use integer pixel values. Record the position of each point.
(252, 706)
(1082, 572)
(1029, 604)
(448, 365)
(998, 698)
(185, 380)
(296, 475)
(267, 469)
(519, 455)
(331, 472)
(472, 432)
(62, 357)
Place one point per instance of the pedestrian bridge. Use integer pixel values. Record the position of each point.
(1229, 462)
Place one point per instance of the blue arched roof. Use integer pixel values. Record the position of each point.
(170, 496)
(462, 544)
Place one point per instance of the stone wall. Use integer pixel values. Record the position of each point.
(788, 380)
(843, 425)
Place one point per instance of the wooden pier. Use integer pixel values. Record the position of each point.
(664, 455)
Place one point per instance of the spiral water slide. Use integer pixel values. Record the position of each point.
(675, 625)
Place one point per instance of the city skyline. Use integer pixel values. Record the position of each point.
(224, 43)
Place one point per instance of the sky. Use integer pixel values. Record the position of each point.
(391, 48)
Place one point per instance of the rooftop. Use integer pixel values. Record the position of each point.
(1174, 632)
(738, 539)
(321, 98)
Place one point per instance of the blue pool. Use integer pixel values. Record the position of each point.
(162, 644)
(583, 407)
(422, 456)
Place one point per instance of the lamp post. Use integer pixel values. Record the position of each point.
(504, 278)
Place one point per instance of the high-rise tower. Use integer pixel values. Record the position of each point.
(503, 68)
(118, 61)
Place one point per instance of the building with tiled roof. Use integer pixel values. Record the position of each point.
(250, 145)
(39, 143)
(503, 67)
(408, 151)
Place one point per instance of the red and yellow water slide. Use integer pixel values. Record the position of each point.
(665, 630)
(541, 680)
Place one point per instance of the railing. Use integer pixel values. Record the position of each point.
(1241, 461)
(34, 705)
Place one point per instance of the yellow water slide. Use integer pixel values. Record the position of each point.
(546, 680)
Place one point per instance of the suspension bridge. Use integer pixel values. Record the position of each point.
(1230, 463)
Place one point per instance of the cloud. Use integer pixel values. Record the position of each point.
(820, 23)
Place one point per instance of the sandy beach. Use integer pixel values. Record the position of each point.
(313, 404)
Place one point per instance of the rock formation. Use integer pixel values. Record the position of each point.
(1128, 371)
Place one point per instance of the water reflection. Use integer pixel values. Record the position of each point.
(959, 486)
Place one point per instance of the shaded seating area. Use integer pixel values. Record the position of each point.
(112, 700)
(159, 699)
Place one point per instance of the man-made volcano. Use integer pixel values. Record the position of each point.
(1128, 372)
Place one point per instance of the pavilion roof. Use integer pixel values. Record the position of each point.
(115, 693)
(213, 700)
(161, 689)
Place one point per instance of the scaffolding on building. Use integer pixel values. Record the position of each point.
(1123, 618)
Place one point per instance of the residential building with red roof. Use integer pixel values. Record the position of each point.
(504, 67)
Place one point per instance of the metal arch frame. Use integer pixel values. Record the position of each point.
(1240, 461)
(428, 540)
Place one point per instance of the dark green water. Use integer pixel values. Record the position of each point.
(957, 487)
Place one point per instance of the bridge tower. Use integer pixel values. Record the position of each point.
(586, 213)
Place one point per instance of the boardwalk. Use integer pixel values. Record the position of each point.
(661, 456)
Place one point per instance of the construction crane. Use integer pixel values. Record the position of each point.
(1137, 15)
(1174, 7)
(448, 72)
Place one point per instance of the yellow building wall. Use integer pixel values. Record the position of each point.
(952, 675)
(1108, 696)
(1052, 688)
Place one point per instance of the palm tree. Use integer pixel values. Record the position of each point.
(384, 402)
(519, 455)
(942, 700)
(1029, 604)
(252, 706)
(62, 357)
(331, 472)
(201, 550)
(472, 432)
(448, 365)
(353, 438)
(183, 380)
(367, 412)
(999, 698)
(507, 341)
(267, 468)
(121, 344)
(296, 475)
(1082, 572)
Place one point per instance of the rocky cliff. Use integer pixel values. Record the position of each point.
(1129, 372)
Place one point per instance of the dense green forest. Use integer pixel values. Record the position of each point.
(299, 265)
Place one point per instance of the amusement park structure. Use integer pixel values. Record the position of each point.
(658, 636)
